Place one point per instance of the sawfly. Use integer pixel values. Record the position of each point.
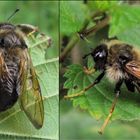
(18, 79)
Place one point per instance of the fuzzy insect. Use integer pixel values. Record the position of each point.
(120, 62)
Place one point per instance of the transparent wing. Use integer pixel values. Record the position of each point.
(30, 94)
(133, 67)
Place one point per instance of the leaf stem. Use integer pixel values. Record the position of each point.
(80, 93)
(95, 28)
(68, 48)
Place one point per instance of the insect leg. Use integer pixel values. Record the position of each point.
(97, 80)
(137, 86)
(117, 92)
(130, 85)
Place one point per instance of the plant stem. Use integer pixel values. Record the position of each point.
(68, 48)
(95, 28)
(79, 93)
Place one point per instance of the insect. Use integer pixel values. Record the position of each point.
(120, 62)
(18, 80)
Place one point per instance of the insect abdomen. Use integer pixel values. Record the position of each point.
(8, 79)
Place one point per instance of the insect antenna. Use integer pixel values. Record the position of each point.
(109, 115)
(86, 55)
(12, 14)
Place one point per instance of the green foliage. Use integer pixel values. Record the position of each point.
(123, 24)
(72, 16)
(101, 5)
(97, 100)
(124, 19)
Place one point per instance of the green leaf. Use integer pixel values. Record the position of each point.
(72, 16)
(101, 5)
(90, 63)
(125, 23)
(98, 100)
(131, 36)
(14, 122)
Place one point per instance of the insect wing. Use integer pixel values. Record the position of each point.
(133, 68)
(30, 94)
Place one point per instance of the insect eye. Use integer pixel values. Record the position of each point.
(99, 54)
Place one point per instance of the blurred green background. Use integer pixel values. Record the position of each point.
(76, 124)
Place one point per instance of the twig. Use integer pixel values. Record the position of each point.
(97, 27)
(79, 93)
(68, 48)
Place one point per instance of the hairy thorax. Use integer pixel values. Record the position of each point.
(114, 73)
(114, 70)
